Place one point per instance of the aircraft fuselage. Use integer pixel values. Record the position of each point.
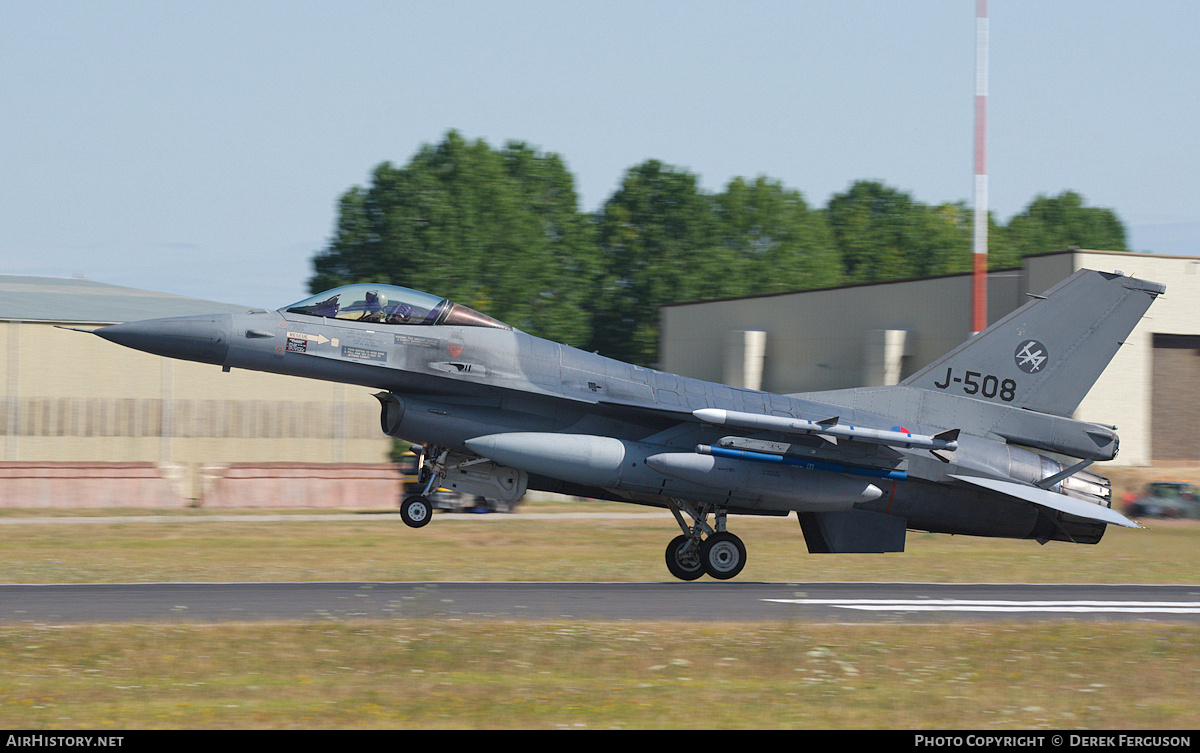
(948, 453)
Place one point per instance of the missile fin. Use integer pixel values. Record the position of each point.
(948, 436)
(946, 456)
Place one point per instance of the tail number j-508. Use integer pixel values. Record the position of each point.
(975, 383)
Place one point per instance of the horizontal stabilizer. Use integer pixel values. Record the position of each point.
(1052, 500)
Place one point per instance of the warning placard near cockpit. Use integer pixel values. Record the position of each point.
(363, 354)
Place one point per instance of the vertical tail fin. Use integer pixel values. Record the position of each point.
(1046, 355)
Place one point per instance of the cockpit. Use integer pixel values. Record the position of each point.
(390, 304)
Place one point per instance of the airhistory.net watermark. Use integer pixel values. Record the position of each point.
(64, 741)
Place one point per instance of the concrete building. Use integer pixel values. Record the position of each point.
(151, 431)
(877, 334)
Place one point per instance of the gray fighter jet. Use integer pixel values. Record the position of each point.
(952, 449)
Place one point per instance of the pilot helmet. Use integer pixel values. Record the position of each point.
(376, 301)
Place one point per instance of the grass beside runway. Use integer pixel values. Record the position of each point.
(447, 673)
(514, 547)
(538, 675)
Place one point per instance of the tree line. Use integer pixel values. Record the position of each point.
(500, 230)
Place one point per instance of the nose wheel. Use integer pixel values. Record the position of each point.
(416, 511)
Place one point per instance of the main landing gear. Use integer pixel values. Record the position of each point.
(702, 549)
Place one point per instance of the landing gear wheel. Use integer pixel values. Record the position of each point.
(723, 555)
(685, 566)
(416, 511)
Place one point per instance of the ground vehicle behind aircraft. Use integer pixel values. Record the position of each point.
(1167, 499)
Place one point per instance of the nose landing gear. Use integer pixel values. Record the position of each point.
(417, 510)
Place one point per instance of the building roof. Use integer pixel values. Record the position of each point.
(1132, 255)
(69, 299)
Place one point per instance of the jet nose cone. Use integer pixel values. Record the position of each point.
(192, 338)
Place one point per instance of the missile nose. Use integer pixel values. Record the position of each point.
(192, 338)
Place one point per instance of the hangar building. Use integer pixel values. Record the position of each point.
(878, 334)
(147, 431)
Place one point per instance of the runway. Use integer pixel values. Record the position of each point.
(697, 601)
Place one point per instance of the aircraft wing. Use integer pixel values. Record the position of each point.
(1051, 500)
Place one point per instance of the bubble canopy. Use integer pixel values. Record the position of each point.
(390, 304)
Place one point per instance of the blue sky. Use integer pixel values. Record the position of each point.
(199, 148)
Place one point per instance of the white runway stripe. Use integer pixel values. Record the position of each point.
(993, 605)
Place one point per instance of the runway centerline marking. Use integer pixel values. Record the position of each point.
(997, 605)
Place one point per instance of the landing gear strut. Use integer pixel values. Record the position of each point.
(702, 549)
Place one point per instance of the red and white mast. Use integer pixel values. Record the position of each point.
(979, 277)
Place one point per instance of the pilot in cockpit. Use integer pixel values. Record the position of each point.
(376, 304)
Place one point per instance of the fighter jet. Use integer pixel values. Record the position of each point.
(952, 449)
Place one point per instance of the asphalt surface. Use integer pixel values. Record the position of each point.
(696, 601)
(703, 600)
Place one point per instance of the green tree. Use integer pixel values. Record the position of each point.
(883, 234)
(497, 230)
(779, 244)
(1056, 223)
(1001, 252)
(500, 230)
(658, 238)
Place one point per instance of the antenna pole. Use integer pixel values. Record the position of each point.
(979, 276)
